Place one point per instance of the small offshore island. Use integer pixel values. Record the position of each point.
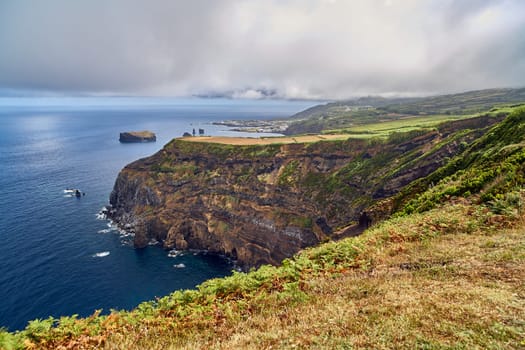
(137, 136)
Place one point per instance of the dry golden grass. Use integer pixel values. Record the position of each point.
(450, 278)
(248, 141)
(433, 282)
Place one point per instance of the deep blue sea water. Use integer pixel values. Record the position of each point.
(51, 244)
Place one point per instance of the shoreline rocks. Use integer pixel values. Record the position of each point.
(259, 126)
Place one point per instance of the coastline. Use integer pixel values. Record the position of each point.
(256, 126)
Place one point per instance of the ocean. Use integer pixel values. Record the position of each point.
(57, 256)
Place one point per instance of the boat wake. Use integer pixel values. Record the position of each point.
(100, 255)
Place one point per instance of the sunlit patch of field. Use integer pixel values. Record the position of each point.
(248, 141)
(385, 128)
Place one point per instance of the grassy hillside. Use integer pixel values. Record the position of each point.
(489, 168)
(447, 272)
(350, 116)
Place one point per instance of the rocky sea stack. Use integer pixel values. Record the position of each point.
(137, 136)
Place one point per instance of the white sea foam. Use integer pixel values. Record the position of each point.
(126, 242)
(106, 230)
(100, 255)
(69, 191)
(174, 253)
(153, 242)
(179, 266)
(125, 234)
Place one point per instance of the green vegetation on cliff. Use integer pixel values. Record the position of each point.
(446, 272)
(178, 195)
(491, 166)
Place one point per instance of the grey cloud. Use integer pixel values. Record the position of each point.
(103, 45)
(261, 48)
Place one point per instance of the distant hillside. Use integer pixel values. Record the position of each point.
(362, 111)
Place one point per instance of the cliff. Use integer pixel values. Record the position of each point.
(137, 136)
(262, 203)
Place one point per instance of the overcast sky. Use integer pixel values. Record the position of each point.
(285, 49)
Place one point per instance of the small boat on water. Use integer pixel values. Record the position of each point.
(74, 192)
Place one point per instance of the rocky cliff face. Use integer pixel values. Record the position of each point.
(261, 204)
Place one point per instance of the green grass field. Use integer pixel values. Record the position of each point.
(385, 128)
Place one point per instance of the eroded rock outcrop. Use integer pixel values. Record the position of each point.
(261, 204)
(137, 136)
